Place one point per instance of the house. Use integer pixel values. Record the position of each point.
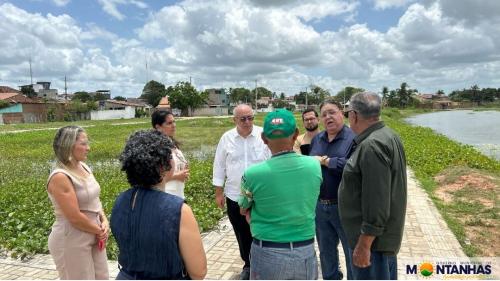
(105, 94)
(42, 90)
(217, 98)
(22, 109)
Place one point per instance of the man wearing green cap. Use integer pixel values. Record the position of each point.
(279, 195)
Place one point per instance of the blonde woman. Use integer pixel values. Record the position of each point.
(164, 122)
(77, 239)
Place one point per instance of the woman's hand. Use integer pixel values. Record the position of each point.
(182, 175)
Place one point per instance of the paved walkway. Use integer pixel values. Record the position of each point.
(426, 236)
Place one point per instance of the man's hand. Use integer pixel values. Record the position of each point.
(323, 160)
(361, 254)
(220, 199)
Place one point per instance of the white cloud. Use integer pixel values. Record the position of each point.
(230, 43)
(386, 4)
(111, 7)
(61, 3)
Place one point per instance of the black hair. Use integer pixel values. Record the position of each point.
(146, 154)
(309, 110)
(158, 118)
(334, 102)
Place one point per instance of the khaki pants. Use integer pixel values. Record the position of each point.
(75, 252)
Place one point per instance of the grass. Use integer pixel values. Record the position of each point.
(432, 156)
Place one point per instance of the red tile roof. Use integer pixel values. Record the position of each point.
(5, 89)
(16, 98)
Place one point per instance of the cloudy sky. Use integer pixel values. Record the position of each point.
(284, 45)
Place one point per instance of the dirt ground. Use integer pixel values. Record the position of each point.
(472, 198)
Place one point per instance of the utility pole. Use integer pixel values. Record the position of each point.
(306, 98)
(31, 74)
(344, 98)
(190, 80)
(147, 70)
(65, 89)
(256, 94)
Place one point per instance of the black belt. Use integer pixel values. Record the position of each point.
(289, 245)
(328, 201)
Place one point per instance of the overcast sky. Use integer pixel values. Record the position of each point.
(285, 45)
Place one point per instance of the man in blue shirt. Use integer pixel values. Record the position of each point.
(332, 148)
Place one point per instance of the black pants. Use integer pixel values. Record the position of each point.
(241, 230)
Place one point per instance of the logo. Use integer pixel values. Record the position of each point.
(277, 121)
(445, 269)
(426, 269)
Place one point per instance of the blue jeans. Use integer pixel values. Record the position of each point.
(329, 231)
(281, 263)
(382, 268)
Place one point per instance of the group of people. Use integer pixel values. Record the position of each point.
(281, 190)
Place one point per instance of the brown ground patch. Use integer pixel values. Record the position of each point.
(460, 187)
(473, 180)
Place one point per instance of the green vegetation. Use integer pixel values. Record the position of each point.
(431, 154)
(26, 159)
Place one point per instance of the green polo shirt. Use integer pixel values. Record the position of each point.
(282, 193)
(372, 194)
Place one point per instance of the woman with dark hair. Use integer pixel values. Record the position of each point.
(81, 228)
(156, 232)
(164, 122)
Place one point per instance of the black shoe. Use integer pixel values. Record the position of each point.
(245, 274)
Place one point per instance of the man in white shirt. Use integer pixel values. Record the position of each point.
(238, 149)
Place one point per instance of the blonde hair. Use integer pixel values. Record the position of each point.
(64, 141)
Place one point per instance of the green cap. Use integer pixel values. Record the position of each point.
(279, 124)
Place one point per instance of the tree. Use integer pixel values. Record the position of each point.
(28, 91)
(152, 92)
(239, 95)
(120, 98)
(318, 94)
(81, 96)
(99, 97)
(282, 96)
(186, 98)
(404, 95)
(4, 104)
(385, 94)
(262, 92)
(392, 99)
(344, 95)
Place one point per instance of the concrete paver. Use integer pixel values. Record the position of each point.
(426, 236)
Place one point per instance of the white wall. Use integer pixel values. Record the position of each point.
(211, 111)
(127, 113)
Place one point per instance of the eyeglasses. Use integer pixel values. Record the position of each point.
(346, 113)
(309, 120)
(245, 118)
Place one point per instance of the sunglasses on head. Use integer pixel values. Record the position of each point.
(346, 113)
(245, 118)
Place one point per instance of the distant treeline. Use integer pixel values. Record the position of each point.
(474, 94)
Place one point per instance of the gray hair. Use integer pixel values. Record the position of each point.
(366, 104)
(63, 144)
(240, 107)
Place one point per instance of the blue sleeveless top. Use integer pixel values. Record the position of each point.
(148, 234)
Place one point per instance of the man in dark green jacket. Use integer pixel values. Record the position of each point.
(372, 194)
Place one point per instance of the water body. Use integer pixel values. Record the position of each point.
(480, 129)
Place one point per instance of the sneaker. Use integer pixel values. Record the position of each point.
(245, 274)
